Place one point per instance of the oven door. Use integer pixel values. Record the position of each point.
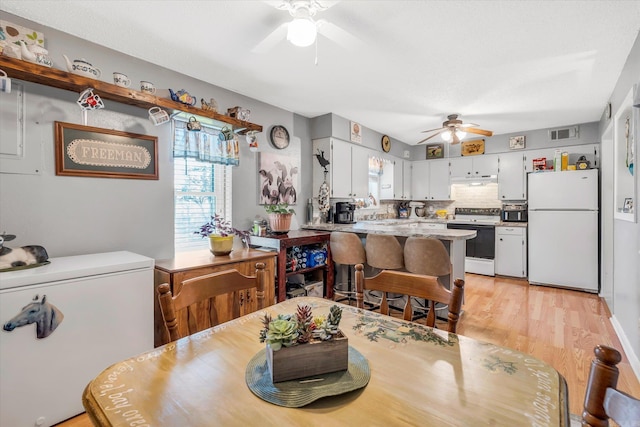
(484, 244)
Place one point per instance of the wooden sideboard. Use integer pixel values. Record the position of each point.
(187, 265)
(283, 242)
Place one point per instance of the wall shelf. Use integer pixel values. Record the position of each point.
(22, 70)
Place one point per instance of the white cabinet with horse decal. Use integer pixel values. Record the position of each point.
(62, 324)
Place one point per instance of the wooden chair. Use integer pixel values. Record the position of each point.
(180, 321)
(416, 285)
(602, 400)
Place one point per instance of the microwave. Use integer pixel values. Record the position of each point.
(514, 212)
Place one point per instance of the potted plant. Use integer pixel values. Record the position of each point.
(220, 234)
(279, 217)
(301, 345)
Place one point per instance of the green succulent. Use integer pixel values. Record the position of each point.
(283, 331)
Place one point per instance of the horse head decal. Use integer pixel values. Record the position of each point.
(46, 316)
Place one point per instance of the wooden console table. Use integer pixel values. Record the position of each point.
(281, 242)
(187, 265)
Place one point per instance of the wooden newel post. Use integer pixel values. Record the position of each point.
(604, 373)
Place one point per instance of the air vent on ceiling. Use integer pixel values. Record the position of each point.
(563, 133)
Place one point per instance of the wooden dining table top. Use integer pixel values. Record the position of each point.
(419, 377)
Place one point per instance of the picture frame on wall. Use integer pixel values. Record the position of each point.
(472, 147)
(104, 153)
(435, 151)
(516, 142)
(356, 132)
(628, 205)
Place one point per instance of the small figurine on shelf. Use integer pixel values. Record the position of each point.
(233, 112)
(212, 105)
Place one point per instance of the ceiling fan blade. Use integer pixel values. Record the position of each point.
(436, 129)
(338, 35)
(429, 137)
(466, 125)
(479, 131)
(269, 42)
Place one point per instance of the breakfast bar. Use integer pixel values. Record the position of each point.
(454, 240)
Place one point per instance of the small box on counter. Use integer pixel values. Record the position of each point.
(314, 289)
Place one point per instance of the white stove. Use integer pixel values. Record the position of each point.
(481, 249)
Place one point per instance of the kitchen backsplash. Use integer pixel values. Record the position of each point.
(476, 196)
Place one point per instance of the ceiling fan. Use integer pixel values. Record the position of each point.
(453, 130)
(303, 30)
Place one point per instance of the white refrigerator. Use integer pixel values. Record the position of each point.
(563, 229)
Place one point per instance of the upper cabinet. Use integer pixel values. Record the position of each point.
(53, 77)
(511, 176)
(402, 179)
(474, 166)
(348, 169)
(430, 180)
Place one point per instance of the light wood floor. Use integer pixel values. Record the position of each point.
(558, 326)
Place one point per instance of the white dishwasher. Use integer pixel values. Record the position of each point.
(65, 322)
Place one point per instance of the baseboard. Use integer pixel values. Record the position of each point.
(485, 267)
(626, 346)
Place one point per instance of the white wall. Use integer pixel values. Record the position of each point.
(76, 215)
(621, 255)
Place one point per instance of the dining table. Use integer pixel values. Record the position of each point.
(399, 373)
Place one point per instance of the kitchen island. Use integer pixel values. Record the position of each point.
(454, 240)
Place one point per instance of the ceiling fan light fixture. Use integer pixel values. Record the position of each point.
(301, 32)
(446, 136)
(460, 134)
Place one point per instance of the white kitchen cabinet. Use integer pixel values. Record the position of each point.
(407, 167)
(511, 176)
(511, 251)
(388, 180)
(430, 180)
(348, 169)
(474, 166)
(402, 179)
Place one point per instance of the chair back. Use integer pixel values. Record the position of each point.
(426, 255)
(198, 294)
(347, 248)
(384, 252)
(602, 400)
(416, 285)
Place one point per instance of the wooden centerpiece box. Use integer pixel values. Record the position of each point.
(301, 345)
(316, 357)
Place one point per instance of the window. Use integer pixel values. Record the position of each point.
(201, 189)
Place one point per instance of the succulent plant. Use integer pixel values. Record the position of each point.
(287, 330)
(305, 323)
(283, 331)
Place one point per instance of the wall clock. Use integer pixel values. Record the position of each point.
(279, 137)
(386, 143)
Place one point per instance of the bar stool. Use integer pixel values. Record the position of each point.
(384, 252)
(346, 249)
(428, 256)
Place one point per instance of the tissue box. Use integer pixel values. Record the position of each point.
(314, 289)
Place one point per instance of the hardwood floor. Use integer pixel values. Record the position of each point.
(560, 327)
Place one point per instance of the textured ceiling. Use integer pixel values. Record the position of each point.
(397, 67)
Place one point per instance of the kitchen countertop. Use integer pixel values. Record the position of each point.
(401, 228)
(512, 224)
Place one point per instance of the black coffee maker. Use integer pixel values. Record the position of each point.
(344, 213)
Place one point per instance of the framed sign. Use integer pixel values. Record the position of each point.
(104, 153)
(516, 142)
(356, 132)
(435, 151)
(472, 147)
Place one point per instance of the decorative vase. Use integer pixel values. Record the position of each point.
(280, 222)
(220, 245)
(305, 360)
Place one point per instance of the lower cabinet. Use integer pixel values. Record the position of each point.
(188, 265)
(511, 251)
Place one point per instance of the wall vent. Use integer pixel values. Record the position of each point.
(564, 133)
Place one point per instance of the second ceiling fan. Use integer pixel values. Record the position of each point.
(453, 130)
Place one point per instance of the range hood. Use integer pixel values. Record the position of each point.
(474, 180)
